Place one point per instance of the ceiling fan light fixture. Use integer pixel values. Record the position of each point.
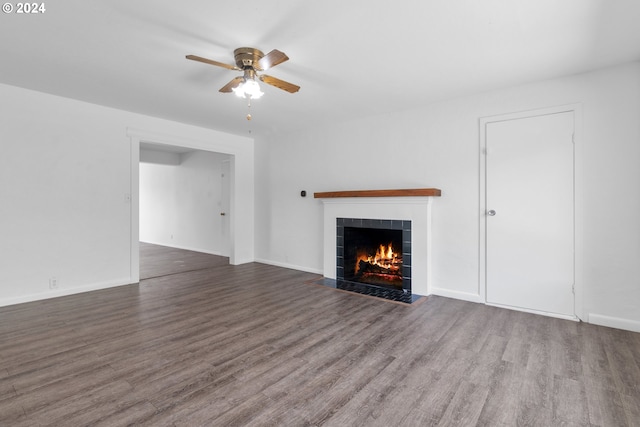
(249, 60)
(248, 89)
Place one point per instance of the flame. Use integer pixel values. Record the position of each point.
(385, 257)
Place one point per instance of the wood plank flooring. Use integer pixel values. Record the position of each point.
(156, 260)
(254, 345)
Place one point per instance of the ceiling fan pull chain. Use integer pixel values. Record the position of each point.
(249, 115)
(249, 108)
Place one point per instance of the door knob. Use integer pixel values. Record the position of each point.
(491, 213)
(222, 214)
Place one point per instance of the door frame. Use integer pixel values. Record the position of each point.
(237, 245)
(578, 202)
(225, 203)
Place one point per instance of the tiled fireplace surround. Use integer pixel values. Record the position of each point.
(416, 209)
(402, 227)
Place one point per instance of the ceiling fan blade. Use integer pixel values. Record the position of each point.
(232, 84)
(280, 84)
(272, 59)
(212, 62)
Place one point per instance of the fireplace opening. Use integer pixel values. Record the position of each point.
(373, 256)
(376, 254)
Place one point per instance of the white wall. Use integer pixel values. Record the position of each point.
(438, 146)
(65, 173)
(181, 200)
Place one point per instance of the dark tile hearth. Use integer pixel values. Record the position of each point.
(370, 290)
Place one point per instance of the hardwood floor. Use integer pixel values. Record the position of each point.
(156, 261)
(221, 345)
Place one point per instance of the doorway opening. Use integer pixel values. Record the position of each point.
(240, 195)
(183, 196)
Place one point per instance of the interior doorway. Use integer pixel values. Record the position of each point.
(139, 139)
(181, 194)
(528, 213)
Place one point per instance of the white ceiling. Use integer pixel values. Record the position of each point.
(352, 58)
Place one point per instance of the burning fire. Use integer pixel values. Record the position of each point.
(385, 257)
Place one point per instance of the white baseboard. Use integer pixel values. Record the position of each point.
(65, 291)
(465, 296)
(240, 261)
(614, 322)
(291, 266)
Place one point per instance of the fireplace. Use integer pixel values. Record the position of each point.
(374, 252)
(406, 210)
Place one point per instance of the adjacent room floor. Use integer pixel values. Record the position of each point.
(214, 344)
(156, 260)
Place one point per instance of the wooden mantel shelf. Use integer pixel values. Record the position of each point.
(413, 192)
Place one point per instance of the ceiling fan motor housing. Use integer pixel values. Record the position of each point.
(247, 57)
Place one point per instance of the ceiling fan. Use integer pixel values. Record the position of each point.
(251, 60)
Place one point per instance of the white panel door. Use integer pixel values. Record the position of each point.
(225, 247)
(530, 213)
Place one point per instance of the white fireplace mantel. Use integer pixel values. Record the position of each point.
(416, 209)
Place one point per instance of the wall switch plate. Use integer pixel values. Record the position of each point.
(53, 283)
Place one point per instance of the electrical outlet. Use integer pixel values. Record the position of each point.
(53, 283)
